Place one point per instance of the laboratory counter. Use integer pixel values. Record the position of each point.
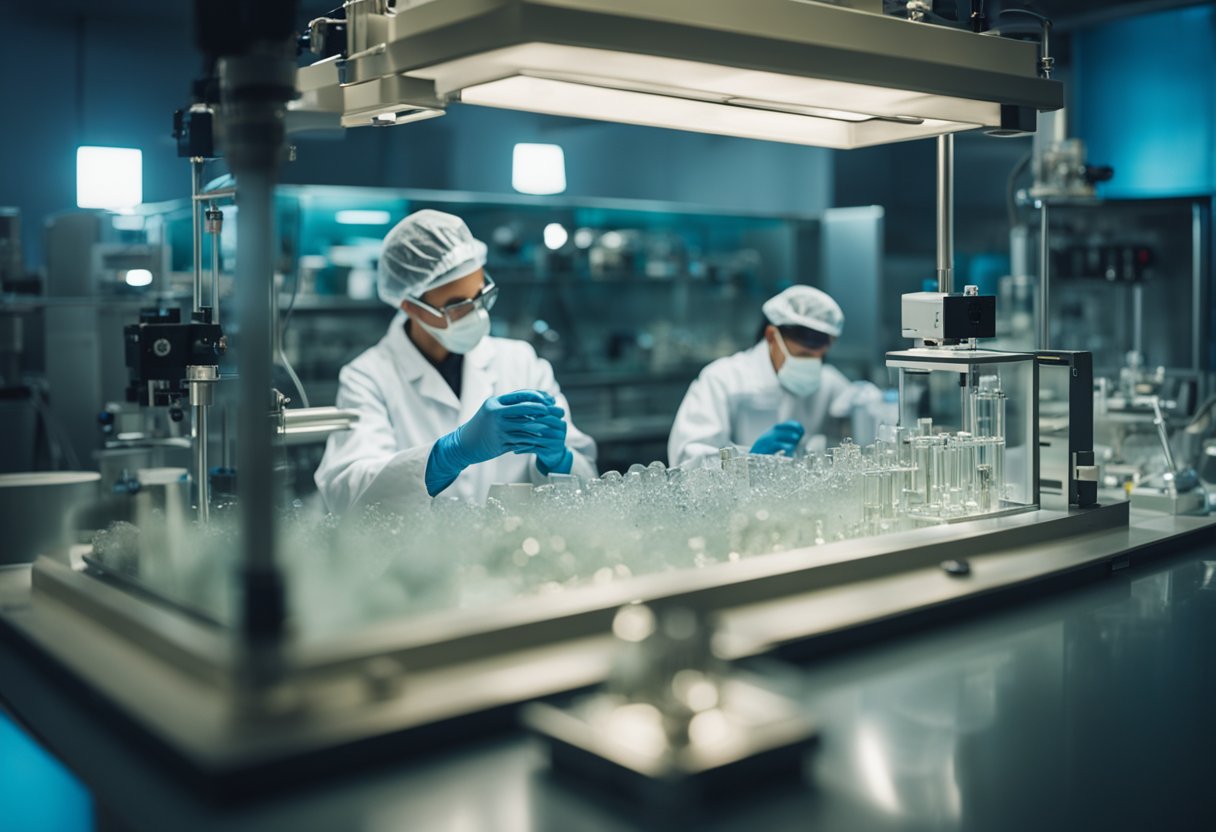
(1083, 707)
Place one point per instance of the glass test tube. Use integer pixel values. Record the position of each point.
(968, 461)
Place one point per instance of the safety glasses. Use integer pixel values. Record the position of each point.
(803, 336)
(457, 309)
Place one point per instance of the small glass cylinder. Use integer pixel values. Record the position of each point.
(967, 482)
(939, 480)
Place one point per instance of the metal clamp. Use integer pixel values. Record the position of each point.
(1085, 473)
(200, 379)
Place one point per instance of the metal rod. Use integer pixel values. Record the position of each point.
(254, 89)
(966, 405)
(215, 272)
(1197, 339)
(301, 416)
(1044, 279)
(255, 435)
(218, 193)
(1164, 436)
(1138, 319)
(225, 439)
(201, 466)
(201, 491)
(196, 223)
(902, 399)
(945, 213)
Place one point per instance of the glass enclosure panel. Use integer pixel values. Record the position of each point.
(969, 431)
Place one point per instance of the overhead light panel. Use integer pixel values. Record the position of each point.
(802, 72)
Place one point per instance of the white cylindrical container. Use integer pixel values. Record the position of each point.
(36, 509)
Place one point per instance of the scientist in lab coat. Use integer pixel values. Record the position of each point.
(444, 407)
(767, 399)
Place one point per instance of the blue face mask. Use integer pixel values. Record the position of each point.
(799, 375)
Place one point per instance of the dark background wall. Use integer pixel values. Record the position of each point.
(117, 82)
(112, 74)
(1146, 101)
(87, 81)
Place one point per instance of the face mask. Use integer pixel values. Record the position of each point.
(461, 336)
(799, 375)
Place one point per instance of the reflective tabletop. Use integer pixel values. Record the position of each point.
(1092, 707)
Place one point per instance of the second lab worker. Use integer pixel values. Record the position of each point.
(444, 407)
(766, 399)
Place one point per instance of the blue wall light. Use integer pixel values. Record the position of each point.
(109, 177)
(360, 217)
(538, 169)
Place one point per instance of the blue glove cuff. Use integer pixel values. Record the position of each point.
(444, 464)
(561, 467)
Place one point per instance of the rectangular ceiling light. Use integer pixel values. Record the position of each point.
(360, 217)
(628, 107)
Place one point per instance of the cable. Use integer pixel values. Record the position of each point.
(1046, 61)
(1043, 20)
(291, 372)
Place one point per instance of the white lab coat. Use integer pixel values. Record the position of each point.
(737, 398)
(405, 405)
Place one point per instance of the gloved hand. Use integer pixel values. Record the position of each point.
(552, 455)
(519, 422)
(782, 438)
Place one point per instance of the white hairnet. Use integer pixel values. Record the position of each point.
(805, 306)
(425, 250)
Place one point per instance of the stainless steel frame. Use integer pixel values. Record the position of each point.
(177, 680)
(945, 213)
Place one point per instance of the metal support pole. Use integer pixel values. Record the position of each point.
(225, 439)
(1138, 319)
(196, 224)
(1163, 435)
(945, 213)
(1197, 304)
(201, 465)
(255, 434)
(199, 378)
(254, 90)
(1044, 279)
(215, 224)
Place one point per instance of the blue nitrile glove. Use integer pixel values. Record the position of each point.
(782, 437)
(552, 455)
(510, 423)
